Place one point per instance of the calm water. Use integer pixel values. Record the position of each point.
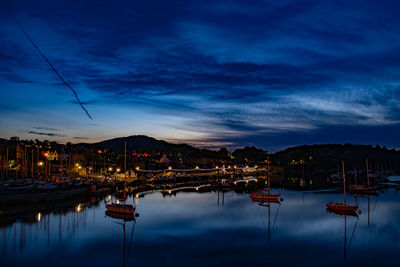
(211, 229)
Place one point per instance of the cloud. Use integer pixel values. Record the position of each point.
(47, 134)
(80, 138)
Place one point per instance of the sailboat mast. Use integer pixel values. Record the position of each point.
(268, 174)
(125, 172)
(366, 163)
(344, 181)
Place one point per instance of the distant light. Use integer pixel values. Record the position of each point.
(216, 167)
(80, 167)
(39, 217)
(137, 168)
(234, 166)
(256, 166)
(229, 167)
(110, 169)
(118, 169)
(247, 166)
(39, 164)
(169, 191)
(169, 168)
(78, 208)
(197, 167)
(76, 164)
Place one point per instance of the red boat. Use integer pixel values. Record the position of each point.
(341, 207)
(265, 195)
(121, 208)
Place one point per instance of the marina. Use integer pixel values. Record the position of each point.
(198, 227)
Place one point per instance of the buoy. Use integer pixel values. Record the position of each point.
(137, 215)
(359, 211)
(281, 198)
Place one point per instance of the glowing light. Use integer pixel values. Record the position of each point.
(109, 197)
(77, 165)
(118, 170)
(229, 167)
(110, 169)
(216, 167)
(169, 168)
(39, 217)
(234, 167)
(78, 208)
(39, 164)
(117, 201)
(197, 167)
(169, 191)
(256, 166)
(137, 195)
(137, 168)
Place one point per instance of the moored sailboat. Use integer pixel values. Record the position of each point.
(118, 207)
(265, 195)
(364, 189)
(338, 206)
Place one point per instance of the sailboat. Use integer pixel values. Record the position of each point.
(365, 189)
(338, 206)
(265, 195)
(118, 208)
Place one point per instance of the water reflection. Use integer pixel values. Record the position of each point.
(209, 228)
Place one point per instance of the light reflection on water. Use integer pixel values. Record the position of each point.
(210, 229)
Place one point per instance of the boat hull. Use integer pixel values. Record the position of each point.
(264, 197)
(341, 207)
(121, 208)
(124, 216)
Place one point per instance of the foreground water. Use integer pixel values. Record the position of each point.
(214, 229)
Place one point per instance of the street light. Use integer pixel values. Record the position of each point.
(110, 169)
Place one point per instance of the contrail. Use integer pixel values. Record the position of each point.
(51, 66)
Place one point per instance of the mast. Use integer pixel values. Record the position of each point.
(366, 162)
(125, 173)
(344, 182)
(268, 174)
(355, 176)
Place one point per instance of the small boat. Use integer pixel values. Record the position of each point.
(17, 189)
(364, 189)
(116, 215)
(342, 207)
(265, 195)
(122, 208)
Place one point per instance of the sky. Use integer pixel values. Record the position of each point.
(270, 74)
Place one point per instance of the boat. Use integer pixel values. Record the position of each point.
(265, 195)
(364, 189)
(119, 215)
(338, 206)
(17, 189)
(118, 207)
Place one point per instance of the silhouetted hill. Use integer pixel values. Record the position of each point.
(144, 143)
(328, 157)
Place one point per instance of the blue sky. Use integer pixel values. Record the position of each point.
(209, 73)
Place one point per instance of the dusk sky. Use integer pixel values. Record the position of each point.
(271, 74)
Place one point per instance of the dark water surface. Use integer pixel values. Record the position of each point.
(211, 229)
